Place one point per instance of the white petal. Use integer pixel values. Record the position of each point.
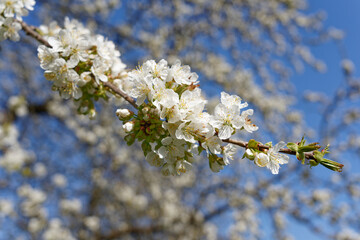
(273, 167)
(225, 132)
(261, 160)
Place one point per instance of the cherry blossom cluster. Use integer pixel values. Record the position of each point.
(78, 63)
(10, 11)
(171, 121)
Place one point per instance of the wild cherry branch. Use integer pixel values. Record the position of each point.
(170, 121)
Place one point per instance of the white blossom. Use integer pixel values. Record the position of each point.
(276, 158)
(128, 127)
(10, 29)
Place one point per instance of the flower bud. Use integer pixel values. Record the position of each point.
(123, 113)
(249, 154)
(261, 159)
(128, 127)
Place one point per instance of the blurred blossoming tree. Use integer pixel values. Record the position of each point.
(65, 176)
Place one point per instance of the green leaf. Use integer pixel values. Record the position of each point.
(292, 146)
(253, 144)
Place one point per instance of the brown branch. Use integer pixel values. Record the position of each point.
(29, 30)
(244, 144)
(121, 93)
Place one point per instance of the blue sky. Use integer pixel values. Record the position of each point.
(343, 15)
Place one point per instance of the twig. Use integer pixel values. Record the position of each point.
(121, 93)
(30, 30)
(263, 147)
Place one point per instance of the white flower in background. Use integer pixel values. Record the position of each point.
(31, 206)
(35, 225)
(40, 170)
(10, 11)
(276, 158)
(6, 207)
(18, 104)
(8, 135)
(92, 223)
(50, 31)
(16, 8)
(29, 4)
(10, 29)
(55, 231)
(14, 158)
(70, 205)
(10, 7)
(59, 180)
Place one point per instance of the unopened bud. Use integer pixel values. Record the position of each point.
(249, 154)
(261, 159)
(123, 113)
(128, 127)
